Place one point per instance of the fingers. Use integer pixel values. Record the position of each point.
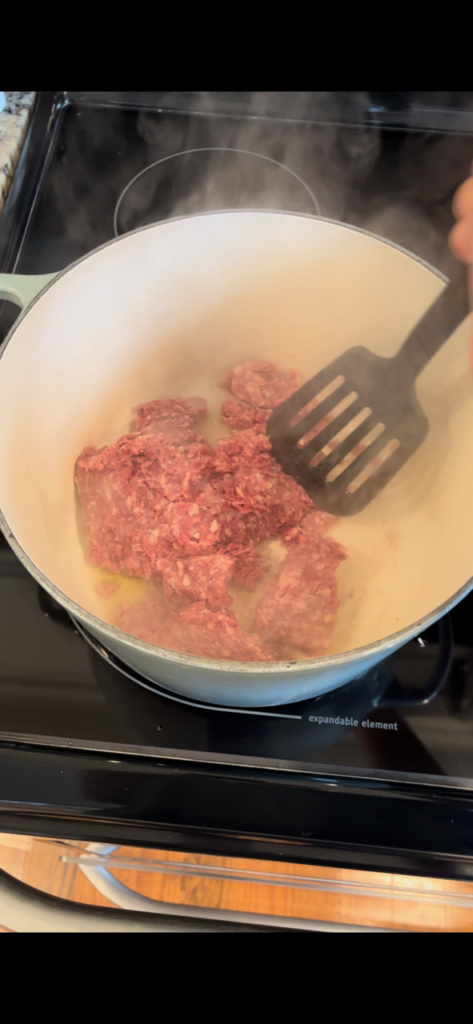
(461, 239)
(463, 201)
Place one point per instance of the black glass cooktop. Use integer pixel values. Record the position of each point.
(110, 170)
(414, 714)
(102, 170)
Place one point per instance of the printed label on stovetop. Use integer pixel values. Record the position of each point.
(352, 723)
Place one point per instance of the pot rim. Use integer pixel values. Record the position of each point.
(265, 669)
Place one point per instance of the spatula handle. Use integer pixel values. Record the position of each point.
(436, 326)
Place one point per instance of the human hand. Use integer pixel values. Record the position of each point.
(461, 237)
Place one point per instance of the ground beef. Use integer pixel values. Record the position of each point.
(262, 385)
(313, 526)
(143, 497)
(202, 578)
(258, 501)
(248, 566)
(240, 416)
(299, 604)
(168, 414)
(246, 448)
(146, 620)
(191, 528)
(269, 501)
(196, 629)
(213, 634)
(162, 504)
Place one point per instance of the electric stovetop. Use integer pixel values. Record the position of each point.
(378, 773)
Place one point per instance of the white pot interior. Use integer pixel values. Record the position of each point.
(167, 312)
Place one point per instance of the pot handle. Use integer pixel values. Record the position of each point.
(397, 696)
(23, 288)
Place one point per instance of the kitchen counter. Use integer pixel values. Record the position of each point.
(13, 124)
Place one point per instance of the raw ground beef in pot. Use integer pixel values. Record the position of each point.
(299, 604)
(261, 384)
(162, 504)
(196, 629)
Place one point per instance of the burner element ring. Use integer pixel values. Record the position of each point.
(290, 182)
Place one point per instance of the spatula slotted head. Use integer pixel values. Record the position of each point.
(346, 432)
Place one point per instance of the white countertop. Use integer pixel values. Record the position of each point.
(13, 123)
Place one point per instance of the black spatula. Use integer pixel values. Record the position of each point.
(371, 403)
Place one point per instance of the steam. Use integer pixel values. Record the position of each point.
(315, 176)
(396, 184)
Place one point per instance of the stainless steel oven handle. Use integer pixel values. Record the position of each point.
(128, 899)
(24, 909)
